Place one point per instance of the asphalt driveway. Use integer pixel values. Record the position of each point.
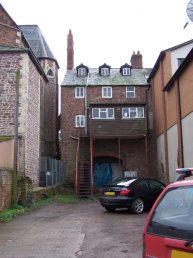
(82, 230)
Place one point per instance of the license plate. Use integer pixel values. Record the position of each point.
(109, 193)
(180, 254)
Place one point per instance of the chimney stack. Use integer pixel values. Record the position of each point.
(136, 60)
(70, 51)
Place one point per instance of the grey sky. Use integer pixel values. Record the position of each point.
(105, 30)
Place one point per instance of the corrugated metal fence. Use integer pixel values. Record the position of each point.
(52, 172)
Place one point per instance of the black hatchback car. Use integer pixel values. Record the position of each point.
(136, 194)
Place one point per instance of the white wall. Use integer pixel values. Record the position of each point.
(181, 52)
(187, 132)
(172, 134)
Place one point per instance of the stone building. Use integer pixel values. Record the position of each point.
(28, 99)
(106, 122)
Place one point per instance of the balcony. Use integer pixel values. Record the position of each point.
(113, 128)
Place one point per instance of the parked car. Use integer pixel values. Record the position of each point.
(136, 194)
(168, 231)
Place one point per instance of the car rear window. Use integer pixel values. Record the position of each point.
(173, 216)
(122, 182)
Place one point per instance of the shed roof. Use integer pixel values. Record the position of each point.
(138, 77)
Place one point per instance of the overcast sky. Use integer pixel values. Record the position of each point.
(105, 31)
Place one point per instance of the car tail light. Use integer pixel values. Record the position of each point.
(125, 191)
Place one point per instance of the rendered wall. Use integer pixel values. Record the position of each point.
(172, 152)
(179, 53)
(187, 132)
(161, 157)
(6, 154)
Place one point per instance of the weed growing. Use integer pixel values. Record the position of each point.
(8, 214)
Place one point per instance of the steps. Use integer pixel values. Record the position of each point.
(84, 174)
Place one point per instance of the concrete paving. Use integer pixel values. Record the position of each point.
(83, 230)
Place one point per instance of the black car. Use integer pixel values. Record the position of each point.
(136, 194)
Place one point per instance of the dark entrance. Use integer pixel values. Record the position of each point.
(105, 169)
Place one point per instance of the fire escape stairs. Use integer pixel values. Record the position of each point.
(84, 189)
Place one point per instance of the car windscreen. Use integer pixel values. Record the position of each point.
(122, 182)
(173, 216)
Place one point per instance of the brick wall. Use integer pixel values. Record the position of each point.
(9, 33)
(133, 152)
(5, 189)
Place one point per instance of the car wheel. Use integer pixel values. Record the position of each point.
(110, 209)
(137, 206)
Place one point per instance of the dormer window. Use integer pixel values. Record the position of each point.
(104, 70)
(125, 70)
(82, 70)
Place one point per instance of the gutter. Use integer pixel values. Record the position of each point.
(85, 105)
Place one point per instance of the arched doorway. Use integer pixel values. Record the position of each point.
(105, 169)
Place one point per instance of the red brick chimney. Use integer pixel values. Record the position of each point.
(70, 51)
(136, 60)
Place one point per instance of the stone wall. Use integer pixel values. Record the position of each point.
(9, 64)
(5, 188)
(32, 127)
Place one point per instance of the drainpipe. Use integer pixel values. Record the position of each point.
(165, 128)
(85, 106)
(179, 125)
(14, 200)
(146, 135)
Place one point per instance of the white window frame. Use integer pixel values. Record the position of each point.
(104, 71)
(126, 71)
(79, 92)
(107, 92)
(80, 121)
(103, 111)
(130, 92)
(127, 112)
(81, 71)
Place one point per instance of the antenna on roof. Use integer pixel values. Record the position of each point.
(189, 12)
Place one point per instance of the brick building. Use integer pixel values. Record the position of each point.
(106, 122)
(28, 98)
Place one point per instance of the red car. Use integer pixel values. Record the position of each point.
(168, 232)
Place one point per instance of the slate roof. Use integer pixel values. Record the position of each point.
(138, 77)
(36, 41)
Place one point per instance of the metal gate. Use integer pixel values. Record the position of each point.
(51, 172)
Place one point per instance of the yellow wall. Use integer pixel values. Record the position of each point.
(171, 108)
(186, 90)
(6, 154)
(159, 81)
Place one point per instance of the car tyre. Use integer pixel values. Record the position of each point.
(138, 206)
(110, 209)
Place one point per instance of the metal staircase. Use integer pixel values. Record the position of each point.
(83, 169)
